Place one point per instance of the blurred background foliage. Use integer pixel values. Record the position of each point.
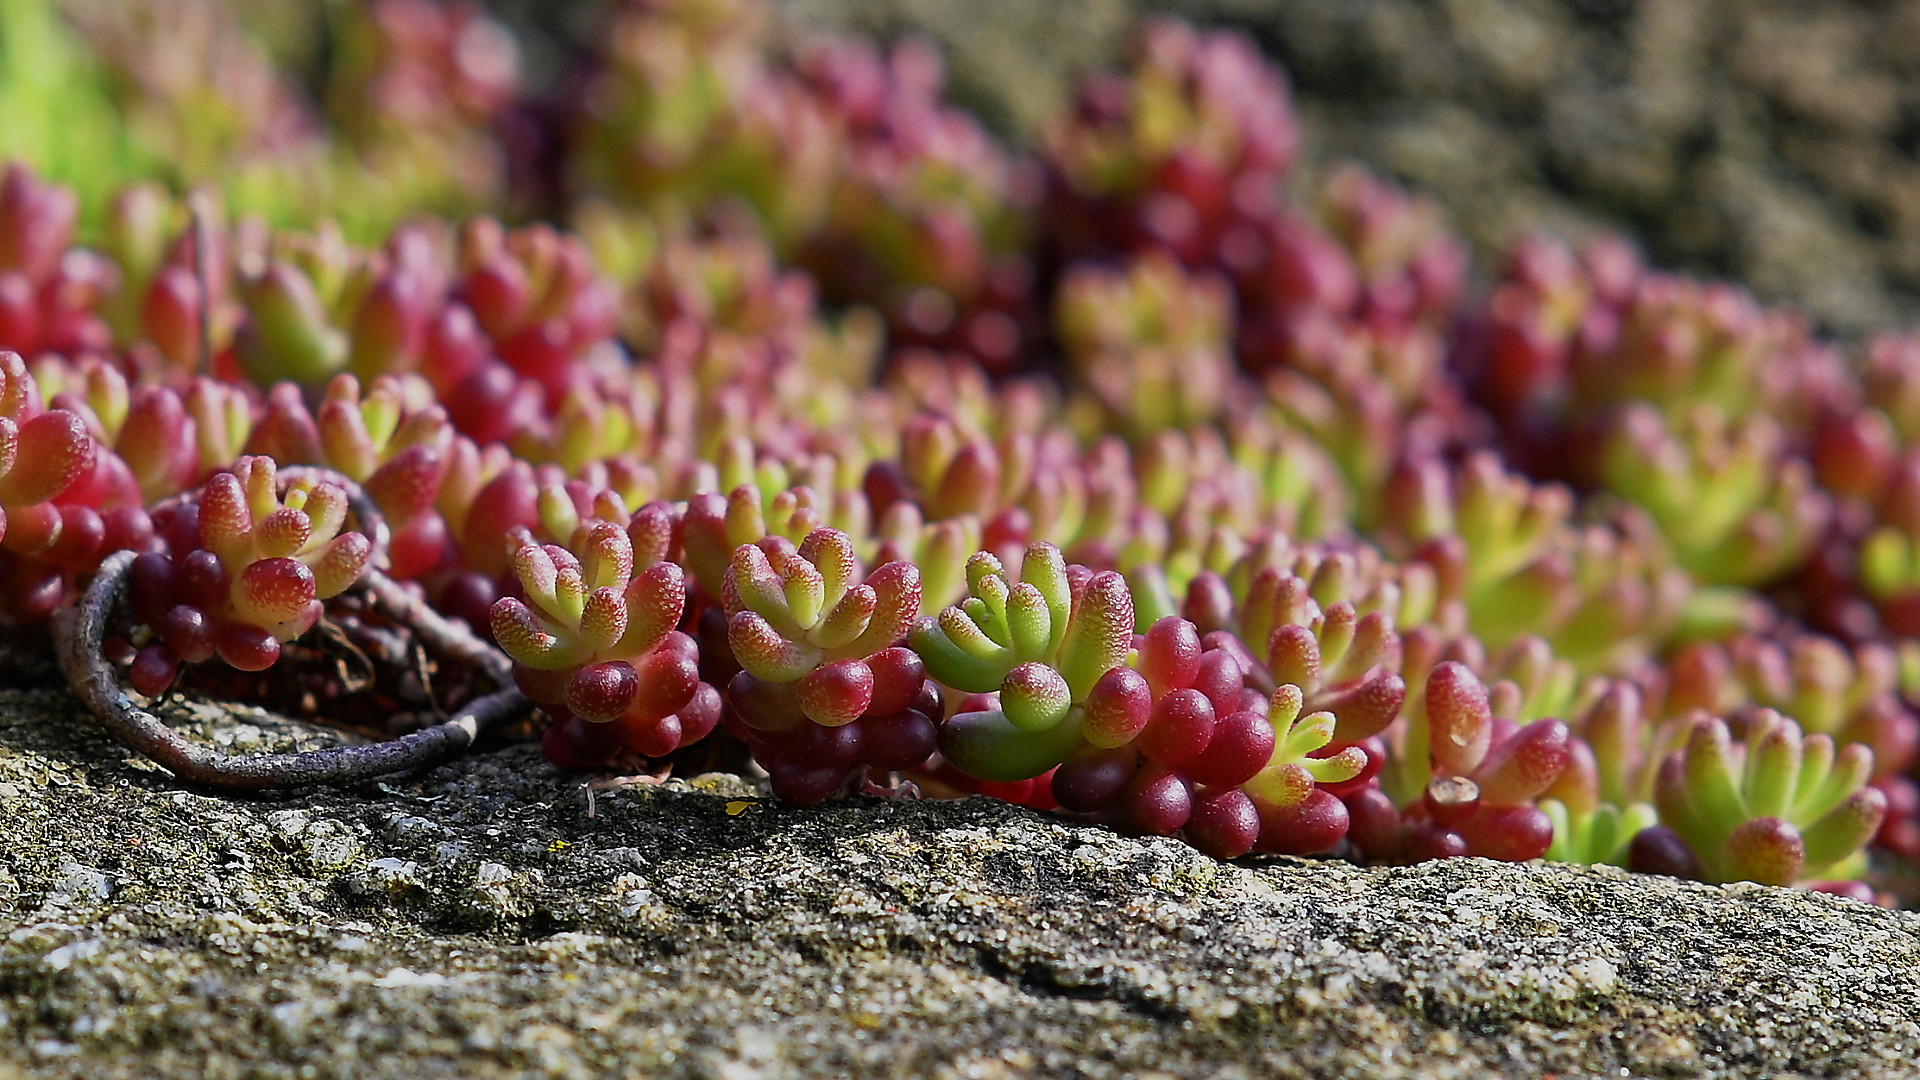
(1772, 141)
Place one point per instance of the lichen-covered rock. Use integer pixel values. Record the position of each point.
(495, 918)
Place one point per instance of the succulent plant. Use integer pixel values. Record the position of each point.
(1775, 807)
(1284, 538)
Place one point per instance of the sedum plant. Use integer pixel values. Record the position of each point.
(1775, 807)
(1280, 538)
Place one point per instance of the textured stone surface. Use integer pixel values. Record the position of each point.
(487, 919)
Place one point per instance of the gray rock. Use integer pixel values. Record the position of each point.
(489, 918)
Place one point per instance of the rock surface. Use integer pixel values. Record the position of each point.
(488, 919)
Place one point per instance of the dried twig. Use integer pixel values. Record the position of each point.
(80, 633)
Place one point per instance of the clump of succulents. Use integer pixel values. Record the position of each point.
(1276, 538)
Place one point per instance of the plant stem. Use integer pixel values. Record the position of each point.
(80, 631)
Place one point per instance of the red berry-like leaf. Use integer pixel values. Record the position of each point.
(1222, 678)
(657, 737)
(1093, 779)
(246, 647)
(153, 671)
(1459, 718)
(274, 593)
(1158, 800)
(408, 483)
(1241, 746)
(898, 674)
(53, 450)
(203, 580)
(701, 715)
(32, 530)
(1767, 850)
(1170, 654)
(1307, 827)
(1427, 840)
(669, 675)
(1508, 833)
(1524, 764)
(542, 687)
(602, 692)
(1376, 827)
(1179, 728)
(837, 693)
(1118, 708)
(573, 743)
(1224, 823)
(189, 634)
(1367, 709)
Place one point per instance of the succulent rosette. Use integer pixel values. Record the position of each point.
(384, 438)
(246, 570)
(1168, 154)
(1735, 507)
(1477, 792)
(51, 292)
(1600, 803)
(1774, 807)
(822, 688)
(1148, 344)
(1042, 646)
(1506, 550)
(593, 641)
